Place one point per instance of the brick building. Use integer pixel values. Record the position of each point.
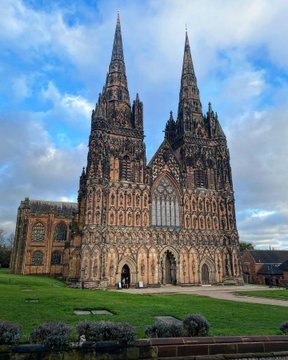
(171, 221)
(264, 266)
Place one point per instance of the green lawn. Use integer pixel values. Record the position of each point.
(271, 294)
(56, 302)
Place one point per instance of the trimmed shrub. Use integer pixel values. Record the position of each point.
(284, 327)
(10, 333)
(106, 330)
(196, 325)
(53, 334)
(160, 330)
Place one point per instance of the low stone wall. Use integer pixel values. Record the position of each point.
(218, 347)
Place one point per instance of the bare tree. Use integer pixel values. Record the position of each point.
(6, 243)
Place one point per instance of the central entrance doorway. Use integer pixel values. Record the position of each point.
(169, 269)
(125, 276)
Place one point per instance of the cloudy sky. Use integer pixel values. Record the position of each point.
(53, 62)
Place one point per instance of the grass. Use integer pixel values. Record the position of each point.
(278, 294)
(56, 302)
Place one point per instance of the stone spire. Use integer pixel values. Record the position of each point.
(116, 88)
(189, 92)
(189, 109)
(113, 108)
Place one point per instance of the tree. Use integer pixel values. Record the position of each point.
(246, 246)
(6, 242)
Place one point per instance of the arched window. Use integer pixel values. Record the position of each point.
(38, 232)
(125, 168)
(37, 258)
(60, 232)
(56, 258)
(165, 204)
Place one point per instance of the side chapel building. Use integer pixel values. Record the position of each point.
(171, 221)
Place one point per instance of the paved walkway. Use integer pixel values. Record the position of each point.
(217, 292)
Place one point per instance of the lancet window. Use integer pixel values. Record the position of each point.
(165, 204)
(125, 168)
(200, 179)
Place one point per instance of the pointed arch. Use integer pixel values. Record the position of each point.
(166, 202)
(131, 263)
(60, 233)
(207, 271)
(38, 232)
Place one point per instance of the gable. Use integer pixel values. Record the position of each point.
(165, 160)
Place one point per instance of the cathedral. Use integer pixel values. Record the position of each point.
(171, 221)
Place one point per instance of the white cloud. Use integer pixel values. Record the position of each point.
(67, 107)
(37, 167)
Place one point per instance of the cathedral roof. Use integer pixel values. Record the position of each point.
(46, 207)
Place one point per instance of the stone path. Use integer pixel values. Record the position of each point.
(216, 292)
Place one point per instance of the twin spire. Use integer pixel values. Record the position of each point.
(115, 96)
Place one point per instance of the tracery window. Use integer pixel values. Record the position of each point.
(165, 204)
(56, 258)
(38, 232)
(37, 258)
(60, 232)
(200, 178)
(125, 168)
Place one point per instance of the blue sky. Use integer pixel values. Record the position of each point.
(53, 63)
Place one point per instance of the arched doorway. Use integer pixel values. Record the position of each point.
(205, 275)
(125, 276)
(169, 269)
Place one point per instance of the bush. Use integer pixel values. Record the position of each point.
(284, 327)
(53, 334)
(160, 329)
(107, 330)
(10, 333)
(196, 325)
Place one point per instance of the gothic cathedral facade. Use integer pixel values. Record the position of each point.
(171, 221)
